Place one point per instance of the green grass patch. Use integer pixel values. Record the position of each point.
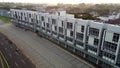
(4, 62)
(5, 19)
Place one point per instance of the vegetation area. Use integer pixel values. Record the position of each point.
(77, 9)
(5, 19)
(4, 62)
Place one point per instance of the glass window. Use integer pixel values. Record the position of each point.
(53, 21)
(69, 25)
(82, 29)
(47, 24)
(60, 30)
(115, 37)
(71, 33)
(42, 18)
(79, 36)
(55, 28)
(110, 46)
(94, 31)
(62, 23)
(96, 41)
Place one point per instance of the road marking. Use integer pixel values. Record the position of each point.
(16, 64)
(23, 61)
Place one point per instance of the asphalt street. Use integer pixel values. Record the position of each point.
(13, 55)
(0, 64)
(42, 53)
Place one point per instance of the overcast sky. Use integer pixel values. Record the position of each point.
(63, 1)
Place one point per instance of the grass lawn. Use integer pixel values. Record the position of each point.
(5, 19)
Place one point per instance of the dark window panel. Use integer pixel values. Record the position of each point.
(110, 46)
(79, 43)
(55, 28)
(53, 21)
(79, 36)
(96, 41)
(94, 31)
(115, 37)
(47, 24)
(82, 29)
(69, 25)
(60, 29)
(71, 33)
(62, 23)
(42, 18)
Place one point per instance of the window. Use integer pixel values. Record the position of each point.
(60, 30)
(21, 14)
(42, 18)
(71, 33)
(79, 43)
(69, 25)
(43, 23)
(115, 37)
(32, 20)
(110, 46)
(93, 31)
(30, 15)
(24, 14)
(37, 21)
(92, 48)
(70, 39)
(25, 18)
(109, 55)
(48, 19)
(82, 29)
(62, 23)
(58, 13)
(21, 17)
(55, 28)
(96, 41)
(47, 24)
(53, 21)
(79, 36)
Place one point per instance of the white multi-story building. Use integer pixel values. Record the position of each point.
(97, 42)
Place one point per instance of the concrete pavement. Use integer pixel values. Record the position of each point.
(13, 55)
(43, 53)
(0, 63)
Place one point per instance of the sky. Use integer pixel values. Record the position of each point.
(63, 1)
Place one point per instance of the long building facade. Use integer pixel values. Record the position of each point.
(96, 42)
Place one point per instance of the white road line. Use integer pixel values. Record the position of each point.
(23, 61)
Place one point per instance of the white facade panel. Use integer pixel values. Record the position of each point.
(78, 28)
(108, 36)
(53, 28)
(91, 40)
(68, 33)
(59, 23)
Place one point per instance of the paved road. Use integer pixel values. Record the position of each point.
(1, 22)
(43, 53)
(13, 55)
(0, 64)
